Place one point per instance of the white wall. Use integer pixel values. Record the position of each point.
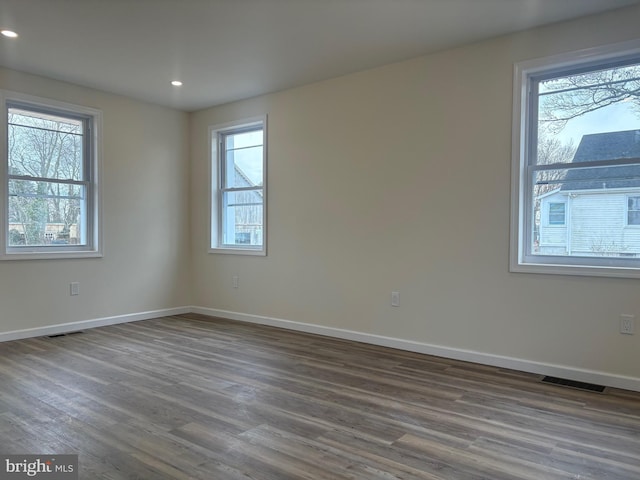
(146, 224)
(398, 178)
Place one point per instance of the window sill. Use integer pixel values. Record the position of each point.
(576, 270)
(68, 255)
(261, 252)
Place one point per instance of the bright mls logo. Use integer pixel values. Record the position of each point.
(50, 467)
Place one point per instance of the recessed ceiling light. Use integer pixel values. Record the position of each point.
(9, 33)
(176, 83)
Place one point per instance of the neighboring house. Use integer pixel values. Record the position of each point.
(53, 233)
(247, 221)
(594, 211)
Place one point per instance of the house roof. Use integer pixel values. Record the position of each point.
(605, 146)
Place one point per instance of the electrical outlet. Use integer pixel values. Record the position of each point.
(74, 288)
(627, 324)
(236, 281)
(395, 299)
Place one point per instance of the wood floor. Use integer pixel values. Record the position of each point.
(190, 397)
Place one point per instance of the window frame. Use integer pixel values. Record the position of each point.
(524, 135)
(217, 187)
(92, 159)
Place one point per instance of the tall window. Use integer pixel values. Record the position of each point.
(50, 180)
(238, 194)
(577, 159)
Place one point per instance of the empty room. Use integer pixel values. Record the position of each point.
(320, 239)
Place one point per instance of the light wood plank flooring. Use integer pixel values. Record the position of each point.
(191, 397)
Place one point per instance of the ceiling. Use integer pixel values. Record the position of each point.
(225, 50)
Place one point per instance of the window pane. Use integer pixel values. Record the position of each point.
(243, 218)
(243, 140)
(43, 145)
(587, 208)
(244, 167)
(46, 213)
(589, 116)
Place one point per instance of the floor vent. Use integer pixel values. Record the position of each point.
(590, 387)
(64, 334)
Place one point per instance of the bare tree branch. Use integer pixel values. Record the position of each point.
(566, 98)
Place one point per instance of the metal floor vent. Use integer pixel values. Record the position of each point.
(590, 387)
(64, 334)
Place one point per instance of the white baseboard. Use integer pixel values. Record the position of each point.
(541, 368)
(84, 324)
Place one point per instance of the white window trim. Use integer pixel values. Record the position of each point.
(215, 204)
(95, 249)
(519, 262)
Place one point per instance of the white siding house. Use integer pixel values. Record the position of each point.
(594, 211)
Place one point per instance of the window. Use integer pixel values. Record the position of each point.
(633, 211)
(243, 238)
(556, 213)
(238, 193)
(576, 163)
(49, 179)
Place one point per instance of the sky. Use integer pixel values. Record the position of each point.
(248, 156)
(588, 89)
(614, 118)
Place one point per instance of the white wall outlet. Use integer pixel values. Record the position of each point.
(395, 299)
(627, 324)
(74, 288)
(236, 281)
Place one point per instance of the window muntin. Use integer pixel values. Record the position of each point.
(238, 197)
(577, 143)
(50, 206)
